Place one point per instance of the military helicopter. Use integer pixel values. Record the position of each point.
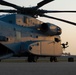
(22, 34)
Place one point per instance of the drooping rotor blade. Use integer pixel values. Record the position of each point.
(55, 11)
(8, 11)
(58, 19)
(43, 3)
(2, 2)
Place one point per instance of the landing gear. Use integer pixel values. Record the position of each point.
(70, 59)
(53, 58)
(32, 58)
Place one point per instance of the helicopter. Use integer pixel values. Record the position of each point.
(22, 34)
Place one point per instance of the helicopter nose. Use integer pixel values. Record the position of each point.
(59, 31)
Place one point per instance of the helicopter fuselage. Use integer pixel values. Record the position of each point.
(24, 34)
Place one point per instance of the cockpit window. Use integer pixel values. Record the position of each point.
(53, 27)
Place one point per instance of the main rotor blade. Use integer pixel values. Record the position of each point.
(8, 11)
(2, 2)
(43, 3)
(58, 19)
(55, 11)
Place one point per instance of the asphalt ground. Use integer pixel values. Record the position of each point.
(39, 68)
(44, 59)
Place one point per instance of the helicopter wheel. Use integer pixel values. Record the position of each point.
(32, 58)
(53, 59)
(29, 59)
(0, 60)
(35, 58)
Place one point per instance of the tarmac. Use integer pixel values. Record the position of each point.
(38, 68)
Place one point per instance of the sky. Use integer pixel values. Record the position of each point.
(68, 30)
